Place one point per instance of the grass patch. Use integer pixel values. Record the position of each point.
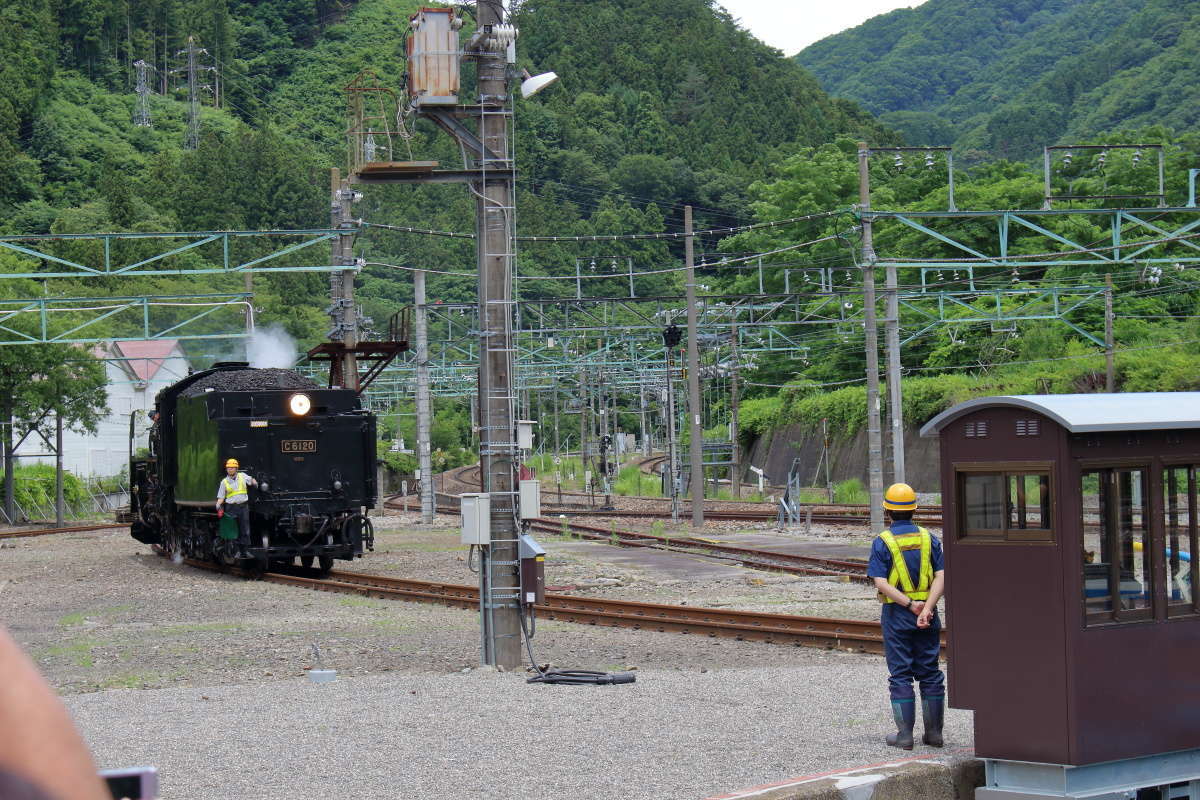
(850, 490)
(132, 680)
(73, 620)
(77, 651)
(632, 481)
(360, 602)
(201, 627)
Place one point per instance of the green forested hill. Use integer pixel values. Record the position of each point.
(1006, 77)
(660, 104)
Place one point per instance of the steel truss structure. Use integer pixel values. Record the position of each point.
(212, 247)
(66, 320)
(1134, 237)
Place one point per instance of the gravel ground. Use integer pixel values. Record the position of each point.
(102, 616)
(673, 734)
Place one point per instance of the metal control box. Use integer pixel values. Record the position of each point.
(525, 434)
(477, 518)
(533, 570)
(531, 498)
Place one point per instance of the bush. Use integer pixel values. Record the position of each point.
(34, 488)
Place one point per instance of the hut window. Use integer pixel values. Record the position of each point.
(1179, 513)
(1028, 427)
(1116, 545)
(1005, 506)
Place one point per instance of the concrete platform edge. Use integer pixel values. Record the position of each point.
(948, 777)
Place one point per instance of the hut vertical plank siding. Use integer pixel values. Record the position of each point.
(1046, 682)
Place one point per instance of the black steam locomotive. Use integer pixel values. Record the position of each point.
(312, 451)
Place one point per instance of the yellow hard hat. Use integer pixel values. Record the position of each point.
(233, 463)
(900, 497)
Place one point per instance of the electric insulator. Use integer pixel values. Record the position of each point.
(929, 160)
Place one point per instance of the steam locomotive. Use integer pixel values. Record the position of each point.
(312, 451)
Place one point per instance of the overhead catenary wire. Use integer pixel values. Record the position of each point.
(670, 235)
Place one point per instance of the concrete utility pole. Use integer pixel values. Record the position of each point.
(693, 356)
(58, 470)
(424, 458)
(497, 429)
(735, 470)
(341, 284)
(1110, 378)
(672, 440)
(895, 396)
(874, 437)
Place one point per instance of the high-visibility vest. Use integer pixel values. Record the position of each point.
(234, 487)
(900, 577)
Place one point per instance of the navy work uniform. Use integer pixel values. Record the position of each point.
(908, 556)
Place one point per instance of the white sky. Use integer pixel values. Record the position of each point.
(792, 25)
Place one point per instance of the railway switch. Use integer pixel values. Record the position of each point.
(533, 570)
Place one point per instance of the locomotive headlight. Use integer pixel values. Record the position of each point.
(299, 404)
(337, 486)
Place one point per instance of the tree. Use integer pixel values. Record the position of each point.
(41, 381)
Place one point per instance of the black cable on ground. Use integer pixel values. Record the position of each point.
(570, 677)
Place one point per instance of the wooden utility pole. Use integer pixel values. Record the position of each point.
(498, 452)
(693, 362)
(874, 436)
(424, 410)
(1110, 378)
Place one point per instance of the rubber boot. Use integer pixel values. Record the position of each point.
(933, 709)
(905, 714)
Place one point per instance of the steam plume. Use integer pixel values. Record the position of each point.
(271, 347)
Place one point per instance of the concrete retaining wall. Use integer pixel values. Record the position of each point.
(848, 457)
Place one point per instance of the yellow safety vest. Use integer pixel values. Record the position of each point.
(235, 487)
(900, 576)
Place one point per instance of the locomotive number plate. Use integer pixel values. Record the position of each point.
(299, 445)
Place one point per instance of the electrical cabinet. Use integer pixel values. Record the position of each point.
(476, 518)
(531, 498)
(533, 570)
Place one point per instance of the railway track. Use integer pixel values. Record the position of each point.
(49, 531)
(765, 560)
(859, 636)
(467, 479)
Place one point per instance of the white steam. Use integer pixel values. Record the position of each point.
(271, 347)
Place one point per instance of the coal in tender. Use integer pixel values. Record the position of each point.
(250, 380)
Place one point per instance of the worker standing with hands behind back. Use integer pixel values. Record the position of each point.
(906, 564)
(232, 497)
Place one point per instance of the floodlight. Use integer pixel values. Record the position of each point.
(532, 85)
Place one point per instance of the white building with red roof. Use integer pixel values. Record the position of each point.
(136, 372)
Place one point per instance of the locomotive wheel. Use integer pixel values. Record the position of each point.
(326, 564)
(306, 562)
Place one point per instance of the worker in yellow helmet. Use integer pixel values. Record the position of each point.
(232, 497)
(906, 564)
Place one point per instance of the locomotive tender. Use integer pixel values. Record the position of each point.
(312, 451)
